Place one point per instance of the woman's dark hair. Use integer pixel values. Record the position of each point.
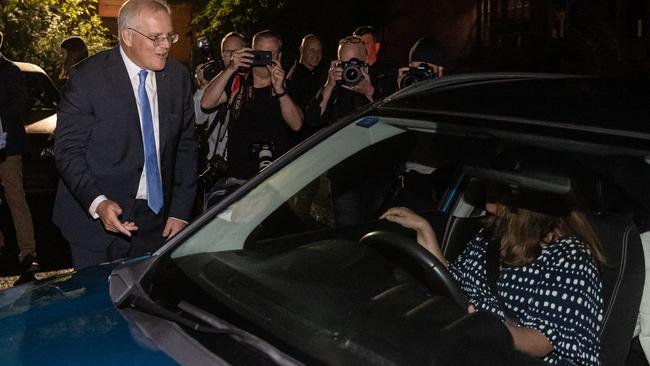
(522, 228)
(76, 51)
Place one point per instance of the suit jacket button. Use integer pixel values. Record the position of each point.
(139, 169)
(132, 196)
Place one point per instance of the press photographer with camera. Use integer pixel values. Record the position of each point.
(425, 62)
(213, 141)
(359, 185)
(348, 85)
(264, 116)
(217, 128)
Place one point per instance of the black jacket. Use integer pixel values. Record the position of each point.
(13, 103)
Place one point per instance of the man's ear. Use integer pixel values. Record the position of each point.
(127, 38)
(377, 46)
(280, 56)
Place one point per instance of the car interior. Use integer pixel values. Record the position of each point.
(359, 294)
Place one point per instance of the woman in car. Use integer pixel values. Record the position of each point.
(549, 292)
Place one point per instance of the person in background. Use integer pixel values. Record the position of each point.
(216, 135)
(425, 62)
(264, 114)
(359, 185)
(383, 75)
(305, 76)
(73, 50)
(13, 103)
(218, 139)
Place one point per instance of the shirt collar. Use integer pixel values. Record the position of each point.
(131, 67)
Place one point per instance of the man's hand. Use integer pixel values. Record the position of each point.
(109, 212)
(277, 77)
(364, 86)
(243, 57)
(401, 72)
(199, 76)
(334, 74)
(173, 227)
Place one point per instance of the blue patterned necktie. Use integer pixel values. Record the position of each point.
(154, 183)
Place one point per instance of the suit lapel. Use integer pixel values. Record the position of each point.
(125, 103)
(163, 88)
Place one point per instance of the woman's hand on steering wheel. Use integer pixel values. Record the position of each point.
(426, 236)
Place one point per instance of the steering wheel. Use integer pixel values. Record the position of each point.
(436, 274)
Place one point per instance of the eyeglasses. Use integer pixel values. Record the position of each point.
(172, 37)
(351, 39)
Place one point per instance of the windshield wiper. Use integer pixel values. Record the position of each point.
(240, 335)
(211, 325)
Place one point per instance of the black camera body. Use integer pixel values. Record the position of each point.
(217, 168)
(263, 152)
(352, 71)
(418, 73)
(214, 65)
(262, 58)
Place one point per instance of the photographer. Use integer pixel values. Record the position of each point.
(348, 85)
(213, 141)
(218, 134)
(263, 113)
(382, 74)
(425, 62)
(359, 185)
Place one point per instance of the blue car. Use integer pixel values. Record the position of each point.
(274, 275)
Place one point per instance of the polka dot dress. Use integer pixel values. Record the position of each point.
(559, 294)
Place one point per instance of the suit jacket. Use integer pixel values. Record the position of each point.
(13, 103)
(99, 150)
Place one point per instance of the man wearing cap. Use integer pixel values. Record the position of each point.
(424, 53)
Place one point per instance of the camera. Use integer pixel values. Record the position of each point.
(415, 74)
(214, 65)
(263, 151)
(217, 168)
(352, 73)
(262, 58)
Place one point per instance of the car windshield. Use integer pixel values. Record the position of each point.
(234, 225)
(291, 244)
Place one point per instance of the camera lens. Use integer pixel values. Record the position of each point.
(409, 79)
(352, 74)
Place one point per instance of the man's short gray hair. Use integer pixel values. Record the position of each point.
(131, 9)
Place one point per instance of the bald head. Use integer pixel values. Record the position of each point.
(350, 50)
(311, 51)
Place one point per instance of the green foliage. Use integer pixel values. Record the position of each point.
(331, 20)
(34, 29)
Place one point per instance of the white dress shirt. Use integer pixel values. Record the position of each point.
(152, 93)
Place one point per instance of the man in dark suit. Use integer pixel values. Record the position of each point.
(124, 143)
(13, 103)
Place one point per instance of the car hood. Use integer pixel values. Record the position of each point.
(70, 319)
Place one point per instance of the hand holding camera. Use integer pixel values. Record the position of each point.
(277, 77)
(200, 77)
(416, 72)
(364, 86)
(213, 66)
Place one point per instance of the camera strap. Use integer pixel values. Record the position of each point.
(236, 95)
(221, 118)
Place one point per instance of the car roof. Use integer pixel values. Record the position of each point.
(569, 106)
(27, 67)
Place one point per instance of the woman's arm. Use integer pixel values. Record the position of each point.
(425, 234)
